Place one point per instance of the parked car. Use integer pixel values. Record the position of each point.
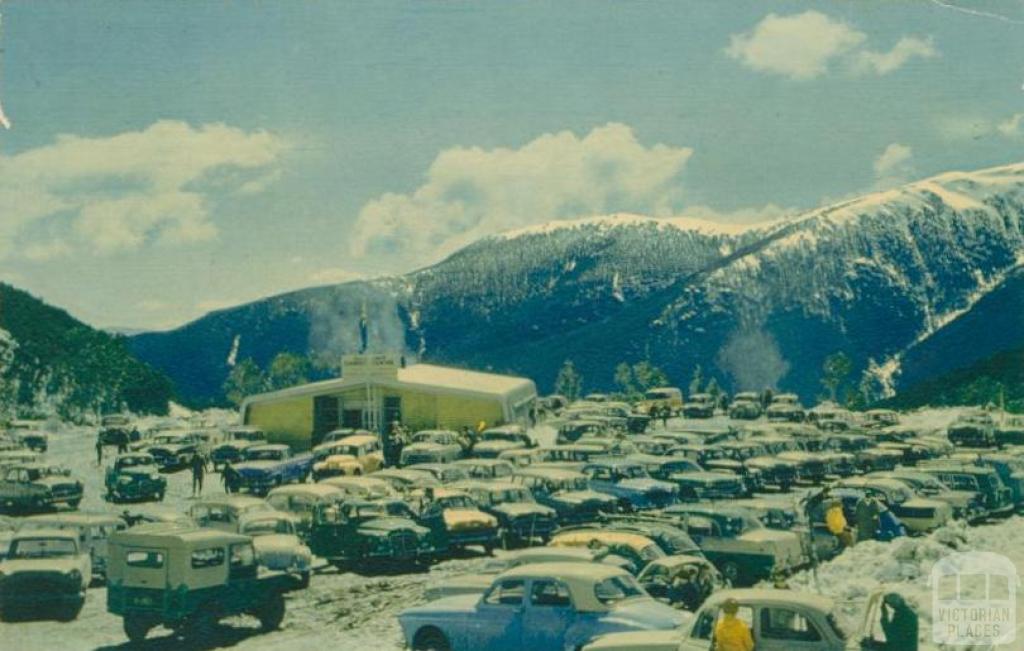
(134, 477)
(538, 606)
(354, 455)
(574, 430)
(444, 473)
(774, 471)
(630, 484)
(811, 468)
(699, 486)
(881, 418)
(238, 439)
(700, 405)
(486, 468)
(778, 619)
(996, 498)
(477, 583)
(668, 535)
(93, 531)
(918, 514)
(404, 480)
(967, 505)
(520, 518)
(34, 440)
(187, 579)
(785, 408)
(683, 581)
(566, 491)
(301, 500)
(494, 441)
(37, 487)
(816, 503)
(173, 451)
(44, 570)
(657, 399)
(456, 521)
(267, 466)
(432, 446)
(370, 488)
(275, 536)
(663, 467)
(358, 530)
(745, 405)
(521, 457)
(114, 428)
(637, 549)
(974, 430)
(226, 513)
(743, 549)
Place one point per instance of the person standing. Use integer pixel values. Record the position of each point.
(230, 478)
(198, 465)
(836, 522)
(899, 623)
(731, 632)
(867, 516)
(99, 451)
(666, 411)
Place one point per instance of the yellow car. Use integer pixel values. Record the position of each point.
(359, 454)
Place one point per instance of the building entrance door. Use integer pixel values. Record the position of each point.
(352, 418)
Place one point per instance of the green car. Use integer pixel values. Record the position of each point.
(134, 477)
(382, 531)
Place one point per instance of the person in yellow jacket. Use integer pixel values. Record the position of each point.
(835, 520)
(731, 632)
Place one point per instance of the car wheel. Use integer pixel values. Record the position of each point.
(70, 613)
(136, 628)
(74, 503)
(430, 639)
(271, 613)
(304, 579)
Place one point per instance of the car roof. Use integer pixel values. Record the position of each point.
(162, 533)
(269, 446)
(635, 540)
(322, 490)
(591, 572)
(237, 501)
(480, 462)
(358, 439)
(770, 597)
(46, 533)
(548, 472)
(77, 517)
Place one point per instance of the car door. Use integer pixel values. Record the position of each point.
(782, 628)
(547, 616)
(498, 622)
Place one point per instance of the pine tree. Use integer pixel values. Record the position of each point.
(245, 379)
(697, 381)
(569, 382)
(624, 379)
(288, 370)
(834, 371)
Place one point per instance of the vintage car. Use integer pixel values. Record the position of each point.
(353, 455)
(187, 579)
(878, 459)
(664, 466)
(115, 428)
(456, 521)
(630, 484)
(574, 430)
(966, 505)
(635, 548)
(742, 548)
(267, 466)
(657, 399)
(520, 518)
(996, 497)
(699, 486)
(93, 531)
(8, 526)
(444, 473)
(881, 418)
(918, 514)
(774, 471)
(432, 446)
(671, 538)
(779, 620)
(494, 441)
(538, 606)
(301, 500)
(173, 451)
(17, 457)
(37, 487)
(275, 536)
(477, 583)
(811, 468)
(973, 430)
(343, 433)
(681, 580)
(134, 477)
(404, 480)
(226, 513)
(1010, 469)
(785, 408)
(700, 405)
(566, 491)
(573, 454)
(816, 503)
(358, 530)
(34, 440)
(44, 569)
(370, 488)
(486, 468)
(237, 440)
(745, 405)
(521, 457)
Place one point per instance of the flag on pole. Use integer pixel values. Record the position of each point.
(364, 334)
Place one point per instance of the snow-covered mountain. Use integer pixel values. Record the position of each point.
(881, 278)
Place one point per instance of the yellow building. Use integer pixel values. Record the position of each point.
(376, 390)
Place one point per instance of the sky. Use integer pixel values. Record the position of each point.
(166, 159)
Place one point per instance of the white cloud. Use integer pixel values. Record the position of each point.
(805, 46)
(1011, 127)
(893, 166)
(122, 191)
(882, 63)
(334, 275)
(800, 46)
(472, 192)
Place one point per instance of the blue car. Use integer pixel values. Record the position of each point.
(629, 482)
(541, 607)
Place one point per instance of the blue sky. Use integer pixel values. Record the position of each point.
(165, 158)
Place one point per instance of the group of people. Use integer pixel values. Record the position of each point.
(868, 514)
(121, 440)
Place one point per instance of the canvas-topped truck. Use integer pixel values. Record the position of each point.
(187, 579)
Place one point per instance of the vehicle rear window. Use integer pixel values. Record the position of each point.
(785, 624)
(144, 558)
(506, 593)
(210, 557)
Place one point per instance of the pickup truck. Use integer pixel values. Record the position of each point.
(36, 487)
(267, 466)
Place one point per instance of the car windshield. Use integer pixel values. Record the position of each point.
(575, 484)
(456, 502)
(428, 437)
(511, 495)
(130, 462)
(264, 455)
(268, 527)
(658, 395)
(43, 548)
(501, 436)
(632, 472)
(617, 588)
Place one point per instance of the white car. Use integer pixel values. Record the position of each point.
(45, 568)
(277, 543)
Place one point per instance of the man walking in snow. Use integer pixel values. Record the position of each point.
(99, 451)
(867, 515)
(198, 464)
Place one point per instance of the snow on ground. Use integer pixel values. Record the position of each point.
(352, 612)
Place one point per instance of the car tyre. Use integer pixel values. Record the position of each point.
(430, 639)
(136, 628)
(271, 613)
(304, 579)
(70, 613)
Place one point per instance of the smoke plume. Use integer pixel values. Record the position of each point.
(753, 360)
